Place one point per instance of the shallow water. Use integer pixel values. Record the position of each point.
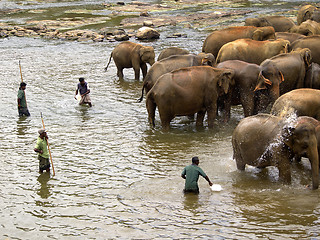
(115, 176)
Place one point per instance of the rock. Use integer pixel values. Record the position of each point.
(144, 14)
(3, 34)
(119, 31)
(177, 35)
(148, 23)
(122, 37)
(147, 33)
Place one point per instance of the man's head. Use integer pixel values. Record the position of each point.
(195, 160)
(81, 80)
(42, 132)
(23, 85)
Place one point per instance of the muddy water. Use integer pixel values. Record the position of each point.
(115, 176)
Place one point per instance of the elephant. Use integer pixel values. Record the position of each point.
(307, 28)
(187, 91)
(172, 63)
(132, 55)
(291, 37)
(300, 102)
(265, 140)
(251, 81)
(218, 38)
(311, 42)
(308, 12)
(312, 78)
(252, 51)
(171, 51)
(293, 66)
(279, 23)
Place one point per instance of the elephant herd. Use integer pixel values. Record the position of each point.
(269, 63)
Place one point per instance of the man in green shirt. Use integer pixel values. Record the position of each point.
(22, 102)
(191, 175)
(42, 149)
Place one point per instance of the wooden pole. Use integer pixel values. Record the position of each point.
(22, 81)
(48, 146)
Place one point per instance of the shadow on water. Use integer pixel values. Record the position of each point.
(44, 190)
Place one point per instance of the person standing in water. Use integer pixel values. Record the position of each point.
(42, 149)
(83, 89)
(191, 175)
(22, 102)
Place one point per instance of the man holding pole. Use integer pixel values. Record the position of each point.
(22, 102)
(42, 149)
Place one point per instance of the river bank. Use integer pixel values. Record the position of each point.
(103, 22)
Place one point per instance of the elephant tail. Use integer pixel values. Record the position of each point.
(151, 108)
(106, 68)
(140, 99)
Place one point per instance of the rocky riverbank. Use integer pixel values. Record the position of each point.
(134, 16)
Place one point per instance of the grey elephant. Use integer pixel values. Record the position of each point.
(300, 102)
(312, 78)
(311, 42)
(307, 28)
(291, 37)
(132, 55)
(172, 63)
(251, 83)
(187, 91)
(308, 12)
(265, 140)
(167, 52)
(252, 51)
(293, 66)
(279, 23)
(218, 38)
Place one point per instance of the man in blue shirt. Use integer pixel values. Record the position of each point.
(83, 89)
(191, 175)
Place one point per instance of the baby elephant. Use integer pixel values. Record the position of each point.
(132, 55)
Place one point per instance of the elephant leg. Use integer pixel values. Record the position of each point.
(120, 74)
(248, 106)
(212, 113)
(144, 69)
(119, 71)
(237, 156)
(284, 171)
(200, 117)
(165, 118)
(151, 108)
(136, 73)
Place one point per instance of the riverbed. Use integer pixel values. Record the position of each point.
(115, 176)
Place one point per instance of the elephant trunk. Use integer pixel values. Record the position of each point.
(314, 160)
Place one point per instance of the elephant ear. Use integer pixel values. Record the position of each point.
(307, 15)
(257, 35)
(225, 80)
(288, 135)
(307, 57)
(262, 82)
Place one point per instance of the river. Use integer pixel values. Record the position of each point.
(116, 177)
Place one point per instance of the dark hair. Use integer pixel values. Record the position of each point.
(22, 84)
(81, 79)
(195, 159)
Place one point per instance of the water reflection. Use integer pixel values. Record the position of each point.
(84, 112)
(44, 190)
(23, 124)
(191, 202)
